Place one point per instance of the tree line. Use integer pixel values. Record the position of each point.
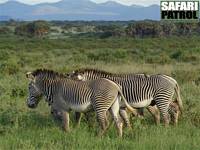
(102, 29)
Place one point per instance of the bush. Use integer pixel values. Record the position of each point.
(186, 76)
(144, 29)
(5, 30)
(111, 30)
(158, 59)
(9, 67)
(185, 56)
(36, 29)
(176, 55)
(107, 55)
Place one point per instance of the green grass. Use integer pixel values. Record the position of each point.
(23, 128)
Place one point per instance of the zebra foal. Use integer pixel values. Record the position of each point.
(64, 94)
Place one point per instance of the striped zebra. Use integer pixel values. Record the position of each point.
(65, 94)
(141, 91)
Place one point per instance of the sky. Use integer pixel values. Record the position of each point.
(125, 2)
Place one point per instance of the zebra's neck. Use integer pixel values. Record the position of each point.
(93, 76)
(48, 88)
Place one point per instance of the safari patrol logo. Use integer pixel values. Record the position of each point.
(179, 10)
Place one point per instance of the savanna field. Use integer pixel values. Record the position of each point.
(23, 128)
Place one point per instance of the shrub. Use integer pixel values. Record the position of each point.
(158, 59)
(4, 30)
(107, 55)
(184, 76)
(9, 67)
(36, 28)
(144, 29)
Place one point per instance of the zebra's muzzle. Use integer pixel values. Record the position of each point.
(31, 104)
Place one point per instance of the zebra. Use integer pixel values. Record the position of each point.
(141, 90)
(65, 94)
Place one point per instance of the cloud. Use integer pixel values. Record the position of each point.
(31, 1)
(131, 2)
(125, 2)
(2, 1)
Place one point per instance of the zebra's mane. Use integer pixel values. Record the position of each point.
(102, 72)
(48, 73)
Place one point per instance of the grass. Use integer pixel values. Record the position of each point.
(23, 128)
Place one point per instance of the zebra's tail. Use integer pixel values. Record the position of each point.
(178, 99)
(131, 109)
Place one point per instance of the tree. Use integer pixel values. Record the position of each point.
(36, 29)
(144, 29)
(185, 28)
(21, 30)
(110, 30)
(168, 28)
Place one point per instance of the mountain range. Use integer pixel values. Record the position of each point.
(77, 10)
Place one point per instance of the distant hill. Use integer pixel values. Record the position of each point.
(4, 18)
(78, 10)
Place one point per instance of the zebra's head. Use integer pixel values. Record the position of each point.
(87, 74)
(34, 92)
(75, 75)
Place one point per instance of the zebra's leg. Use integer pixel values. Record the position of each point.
(155, 113)
(174, 112)
(78, 117)
(166, 119)
(106, 121)
(65, 118)
(163, 105)
(115, 114)
(125, 117)
(101, 116)
(175, 118)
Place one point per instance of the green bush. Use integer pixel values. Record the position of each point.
(107, 55)
(5, 30)
(158, 59)
(184, 76)
(9, 67)
(33, 29)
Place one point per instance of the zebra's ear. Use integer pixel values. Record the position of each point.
(30, 76)
(67, 75)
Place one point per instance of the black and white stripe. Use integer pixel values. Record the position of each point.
(140, 90)
(65, 94)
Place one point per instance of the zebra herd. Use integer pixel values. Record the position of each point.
(90, 89)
